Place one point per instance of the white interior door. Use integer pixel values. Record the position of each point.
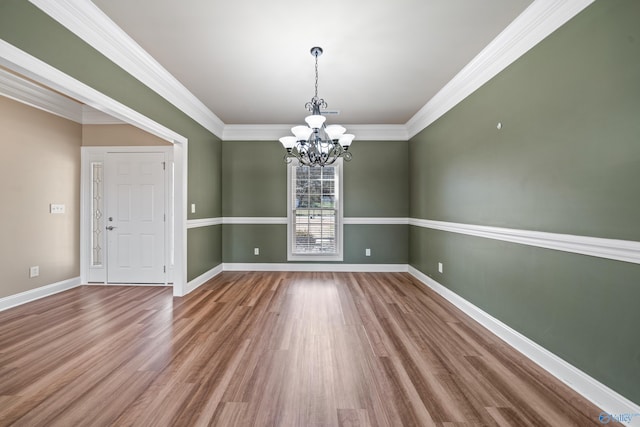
(135, 211)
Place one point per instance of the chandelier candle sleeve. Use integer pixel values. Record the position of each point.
(345, 140)
(335, 131)
(301, 132)
(317, 144)
(315, 122)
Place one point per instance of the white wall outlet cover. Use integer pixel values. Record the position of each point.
(34, 271)
(440, 269)
(193, 208)
(367, 252)
(256, 251)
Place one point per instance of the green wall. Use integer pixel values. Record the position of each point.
(567, 160)
(203, 245)
(26, 27)
(389, 244)
(254, 180)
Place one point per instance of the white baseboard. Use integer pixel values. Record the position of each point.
(37, 293)
(202, 279)
(157, 285)
(356, 268)
(593, 390)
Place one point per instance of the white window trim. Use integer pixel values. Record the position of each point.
(339, 220)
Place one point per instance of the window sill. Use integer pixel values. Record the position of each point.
(315, 258)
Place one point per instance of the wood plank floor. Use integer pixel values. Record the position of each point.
(269, 349)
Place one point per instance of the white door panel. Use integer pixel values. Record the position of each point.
(136, 210)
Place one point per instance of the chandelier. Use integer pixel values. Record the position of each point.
(317, 144)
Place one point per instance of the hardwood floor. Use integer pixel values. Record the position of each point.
(269, 349)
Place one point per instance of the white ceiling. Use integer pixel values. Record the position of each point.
(248, 61)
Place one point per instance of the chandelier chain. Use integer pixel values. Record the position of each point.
(316, 76)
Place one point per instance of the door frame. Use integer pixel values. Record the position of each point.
(89, 155)
(23, 63)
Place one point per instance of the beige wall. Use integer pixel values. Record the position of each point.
(118, 135)
(39, 165)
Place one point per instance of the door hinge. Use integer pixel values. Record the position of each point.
(164, 165)
(164, 217)
(164, 268)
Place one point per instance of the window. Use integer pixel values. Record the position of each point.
(315, 212)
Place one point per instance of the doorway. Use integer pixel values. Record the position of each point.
(127, 200)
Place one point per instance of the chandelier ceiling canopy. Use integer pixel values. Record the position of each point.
(317, 144)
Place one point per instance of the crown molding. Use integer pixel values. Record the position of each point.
(379, 132)
(275, 132)
(255, 132)
(88, 22)
(34, 95)
(539, 20)
(23, 63)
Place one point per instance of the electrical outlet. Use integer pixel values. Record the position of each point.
(440, 268)
(256, 251)
(193, 208)
(367, 252)
(34, 271)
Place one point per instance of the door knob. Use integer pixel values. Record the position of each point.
(111, 227)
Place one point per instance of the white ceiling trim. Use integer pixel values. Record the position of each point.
(274, 132)
(255, 132)
(29, 93)
(379, 132)
(36, 96)
(21, 62)
(539, 20)
(88, 22)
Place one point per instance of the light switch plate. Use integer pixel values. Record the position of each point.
(56, 208)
